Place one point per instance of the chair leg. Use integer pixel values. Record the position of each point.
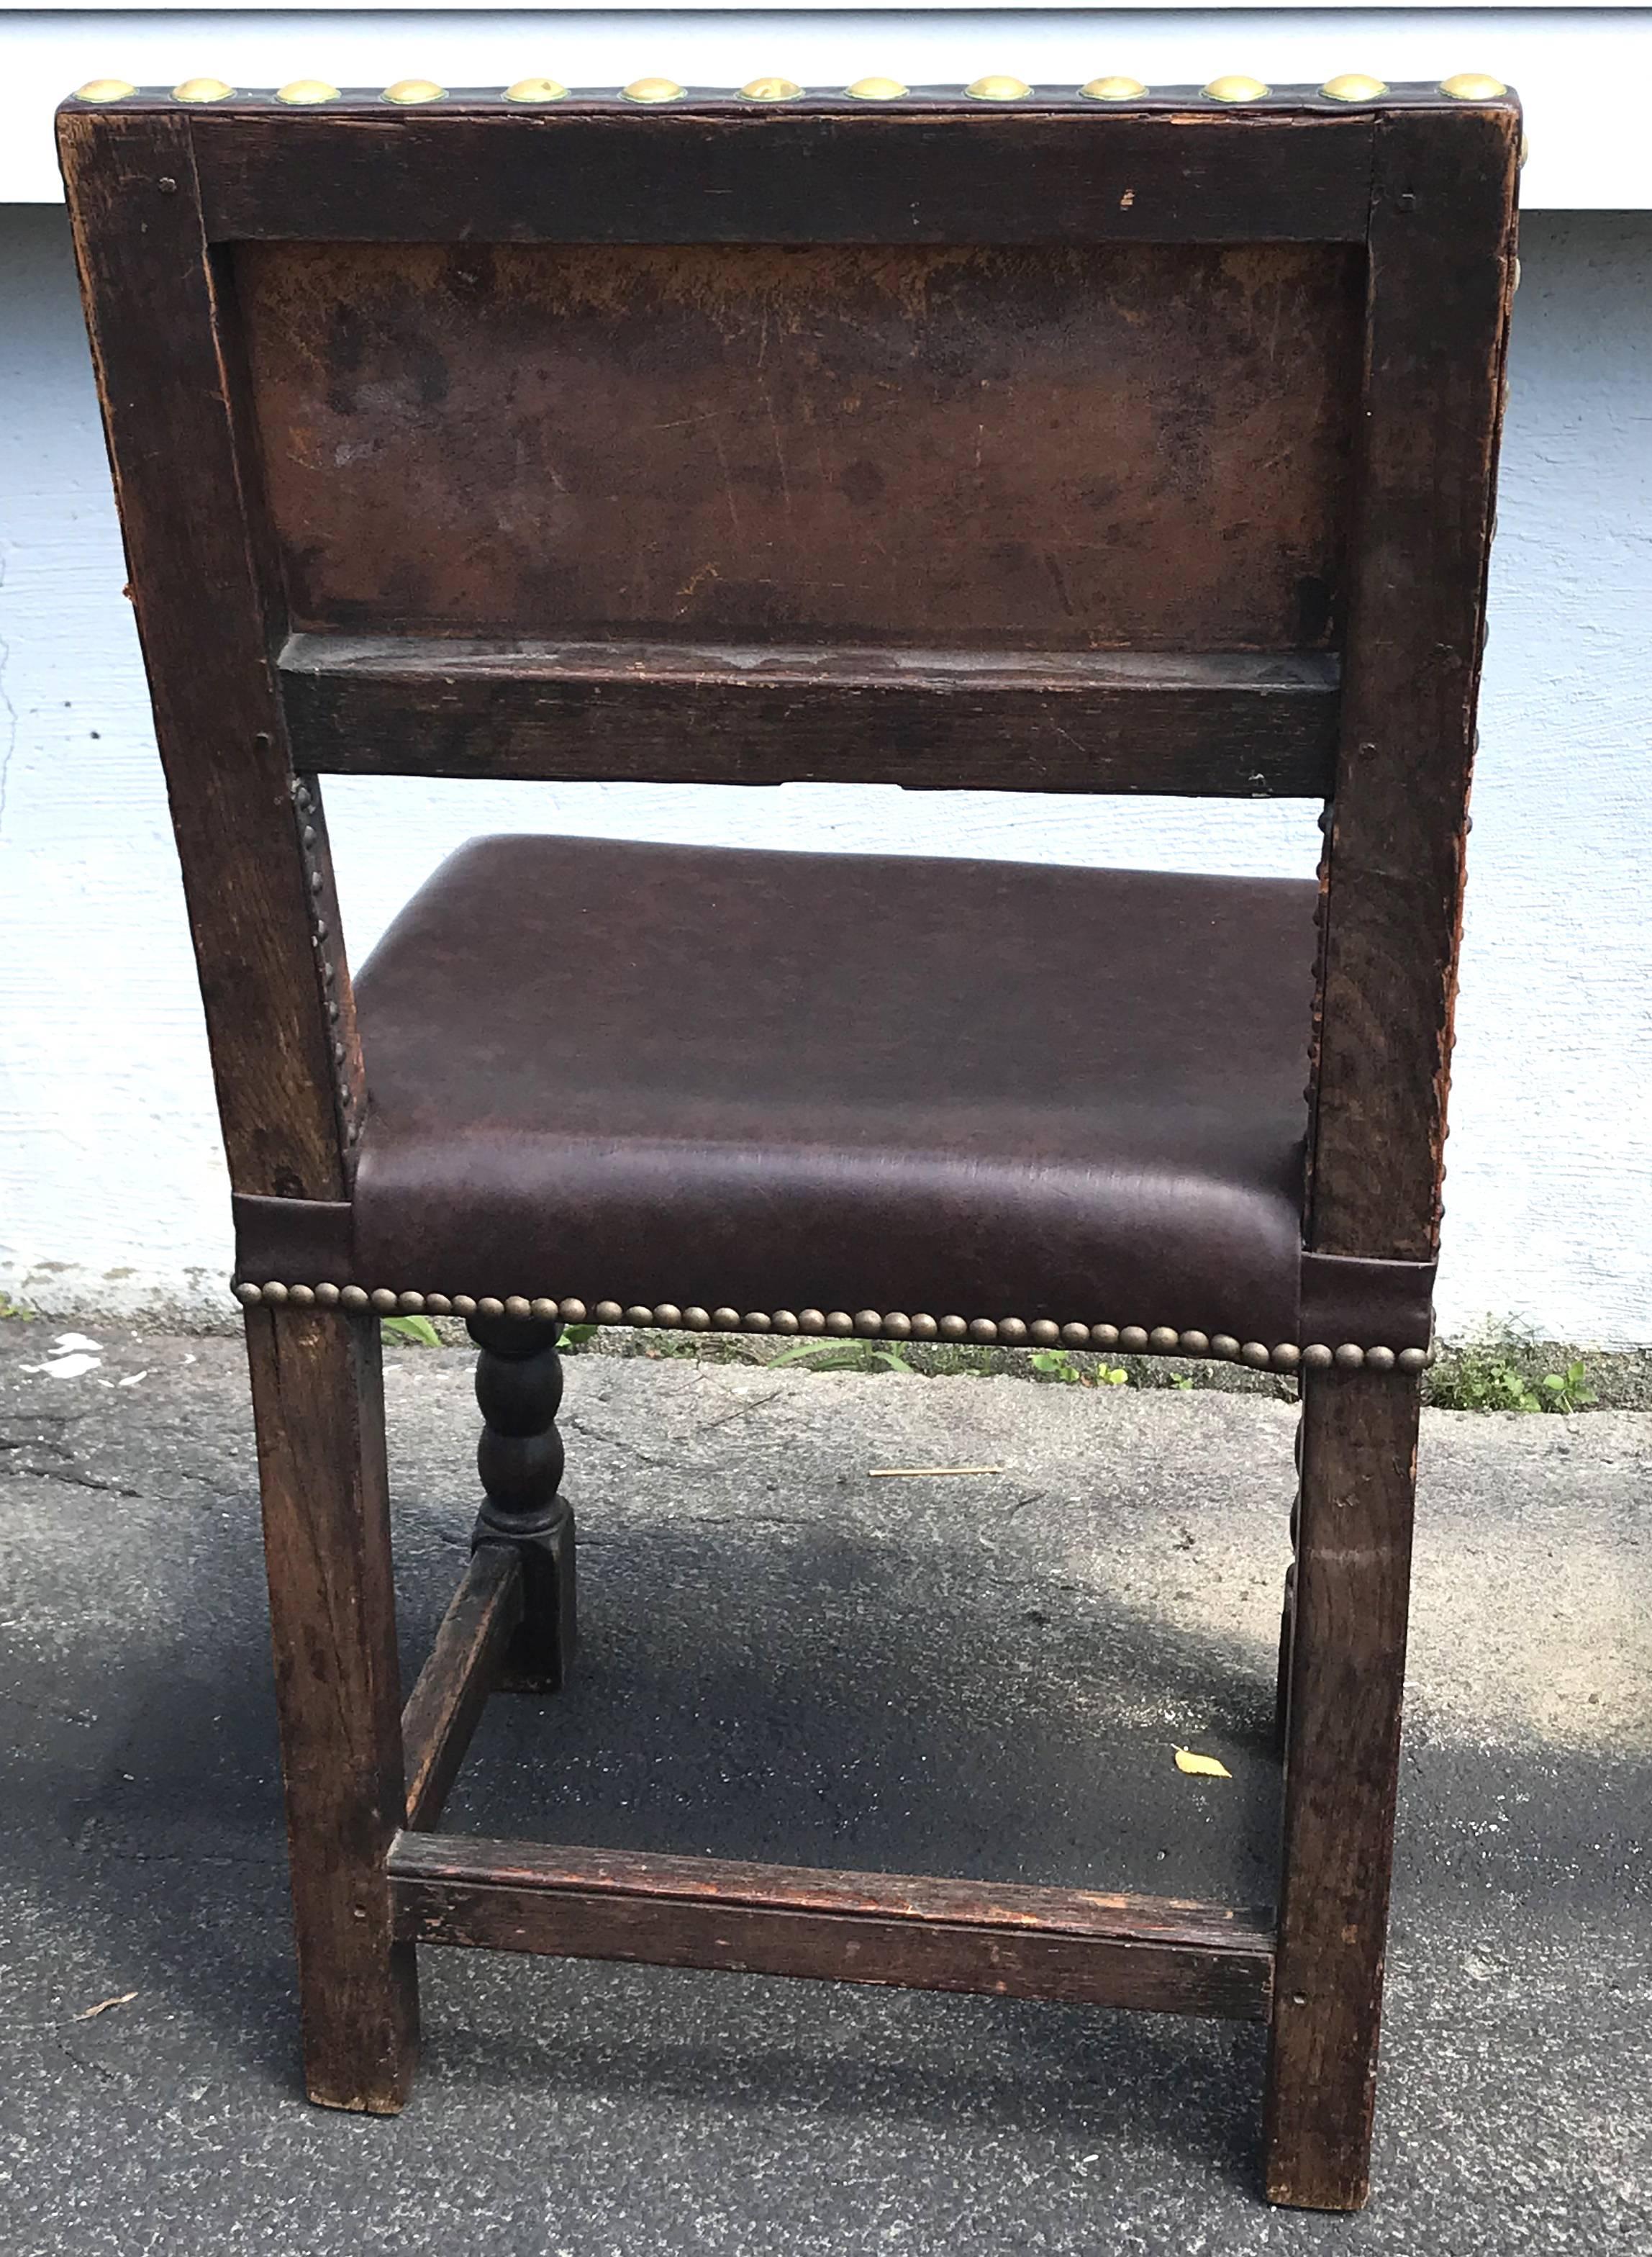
(519, 1461)
(1346, 1671)
(318, 1403)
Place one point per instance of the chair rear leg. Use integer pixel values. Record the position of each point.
(1346, 1671)
(318, 1407)
(519, 1463)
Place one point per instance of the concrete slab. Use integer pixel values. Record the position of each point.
(785, 1658)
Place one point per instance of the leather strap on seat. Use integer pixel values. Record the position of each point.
(1346, 1297)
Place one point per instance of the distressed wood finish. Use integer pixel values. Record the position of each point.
(1011, 1941)
(155, 319)
(1238, 724)
(944, 171)
(318, 1403)
(1054, 446)
(445, 1705)
(1441, 275)
(1346, 1670)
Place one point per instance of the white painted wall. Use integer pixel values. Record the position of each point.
(111, 1184)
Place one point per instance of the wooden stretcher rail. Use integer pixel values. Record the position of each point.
(1238, 724)
(1009, 1941)
(444, 1707)
(960, 171)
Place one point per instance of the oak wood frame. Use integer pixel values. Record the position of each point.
(1427, 184)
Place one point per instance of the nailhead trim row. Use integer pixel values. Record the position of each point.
(344, 1096)
(864, 1324)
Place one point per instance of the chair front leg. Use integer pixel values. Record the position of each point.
(318, 1403)
(519, 1462)
(1346, 1671)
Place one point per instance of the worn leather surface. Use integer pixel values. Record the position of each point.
(1345, 1297)
(706, 1076)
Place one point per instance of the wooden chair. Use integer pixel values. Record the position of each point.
(1093, 442)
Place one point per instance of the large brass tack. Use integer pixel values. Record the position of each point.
(104, 90)
(1236, 90)
(536, 90)
(998, 87)
(305, 93)
(652, 89)
(1113, 89)
(201, 90)
(410, 90)
(1353, 86)
(877, 89)
(771, 89)
(1473, 86)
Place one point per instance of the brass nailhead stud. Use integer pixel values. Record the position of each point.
(437, 1304)
(354, 1296)
(464, 1304)
(1164, 1341)
(104, 90)
(544, 1310)
(1236, 90)
(839, 1324)
(1255, 1353)
(1113, 89)
(925, 1328)
(1319, 1357)
(1225, 1346)
(638, 1316)
(1380, 1359)
(726, 1320)
(1286, 1356)
(669, 1317)
(811, 1321)
(488, 1306)
(1412, 1359)
(1348, 1357)
(755, 1321)
(328, 1296)
(410, 1305)
(201, 90)
(953, 1328)
(1134, 1339)
(1103, 1336)
(275, 1293)
(608, 1312)
(984, 1330)
(997, 88)
(877, 89)
(1473, 86)
(1353, 86)
(572, 1312)
(410, 90)
(304, 92)
(897, 1325)
(652, 89)
(249, 1295)
(1196, 1344)
(537, 90)
(1076, 1335)
(517, 1306)
(1012, 1331)
(1044, 1331)
(771, 89)
(383, 1300)
(868, 1323)
(785, 1320)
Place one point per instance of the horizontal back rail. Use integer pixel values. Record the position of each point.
(1234, 724)
(713, 170)
(923, 1934)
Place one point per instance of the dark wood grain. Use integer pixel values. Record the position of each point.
(1245, 725)
(828, 172)
(445, 1705)
(1345, 1678)
(154, 312)
(318, 1403)
(1441, 275)
(1010, 1941)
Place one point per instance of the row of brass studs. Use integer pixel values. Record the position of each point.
(321, 933)
(305, 93)
(865, 1324)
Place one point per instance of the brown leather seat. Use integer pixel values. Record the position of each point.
(756, 1081)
